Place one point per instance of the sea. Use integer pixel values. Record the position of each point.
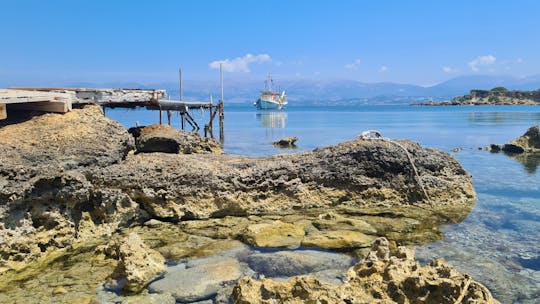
(498, 244)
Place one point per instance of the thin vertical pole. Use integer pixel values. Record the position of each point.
(169, 113)
(211, 118)
(160, 118)
(180, 76)
(221, 78)
(221, 110)
(182, 119)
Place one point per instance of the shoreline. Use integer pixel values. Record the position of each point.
(116, 202)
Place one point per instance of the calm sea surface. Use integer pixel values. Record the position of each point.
(498, 243)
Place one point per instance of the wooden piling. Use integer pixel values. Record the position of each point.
(3, 112)
(221, 119)
(182, 120)
(221, 110)
(210, 117)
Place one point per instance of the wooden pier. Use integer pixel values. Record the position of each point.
(62, 100)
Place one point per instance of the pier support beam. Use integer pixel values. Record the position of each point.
(44, 106)
(3, 112)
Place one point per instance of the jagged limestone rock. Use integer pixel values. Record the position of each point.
(140, 264)
(379, 278)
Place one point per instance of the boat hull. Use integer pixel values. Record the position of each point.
(262, 104)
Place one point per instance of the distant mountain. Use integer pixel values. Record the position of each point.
(337, 92)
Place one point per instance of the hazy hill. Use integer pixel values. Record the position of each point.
(337, 92)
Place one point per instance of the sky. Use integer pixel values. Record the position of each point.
(416, 42)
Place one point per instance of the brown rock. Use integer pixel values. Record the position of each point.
(274, 234)
(77, 179)
(140, 263)
(163, 138)
(377, 279)
(334, 221)
(286, 142)
(338, 239)
(530, 141)
(359, 173)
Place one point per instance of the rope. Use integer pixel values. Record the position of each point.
(376, 135)
(463, 292)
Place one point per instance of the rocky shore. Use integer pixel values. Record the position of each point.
(529, 142)
(382, 277)
(495, 96)
(72, 184)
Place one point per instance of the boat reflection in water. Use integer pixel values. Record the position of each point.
(272, 119)
(273, 123)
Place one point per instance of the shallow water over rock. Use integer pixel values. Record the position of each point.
(207, 248)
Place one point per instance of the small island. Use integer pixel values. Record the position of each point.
(495, 96)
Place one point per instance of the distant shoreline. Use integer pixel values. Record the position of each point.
(494, 97)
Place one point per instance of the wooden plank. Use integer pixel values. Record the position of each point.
(18, 96)
(45, 106)
(106, 96)
(3, 112)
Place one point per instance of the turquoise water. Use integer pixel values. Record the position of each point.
(498, 242)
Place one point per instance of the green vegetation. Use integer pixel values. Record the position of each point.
(493, 98)
(499, 90)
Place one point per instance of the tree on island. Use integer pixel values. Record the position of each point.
(499, 90)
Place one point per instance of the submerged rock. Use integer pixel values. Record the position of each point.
(290, 263)
(199, 282)
(380, 278)
(163, 138)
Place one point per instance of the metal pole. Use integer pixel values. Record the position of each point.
(221, 109)
(180, 76)
(221, 78)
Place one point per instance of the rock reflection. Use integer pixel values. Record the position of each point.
(501, 117)
(530, 161)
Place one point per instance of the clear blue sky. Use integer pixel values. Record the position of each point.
(418, 42)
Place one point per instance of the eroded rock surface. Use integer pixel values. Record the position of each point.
(79, 180)
(46, 201)
(139, 263)
(379, 278)
(358, 173)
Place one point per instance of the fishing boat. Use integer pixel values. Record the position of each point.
(271, 99)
